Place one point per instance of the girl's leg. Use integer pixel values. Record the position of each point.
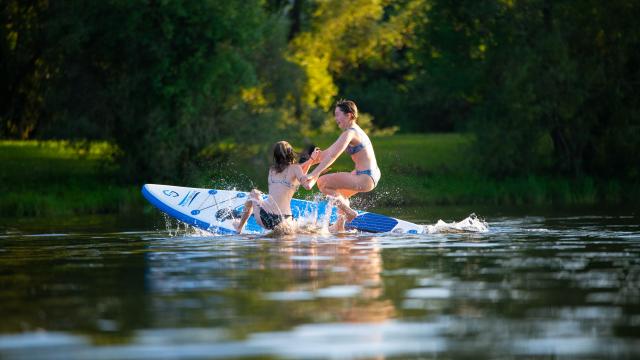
(338, 226)
(342, 186)
(256, 197)
(346, 194)
(256, 215)
(248, 209)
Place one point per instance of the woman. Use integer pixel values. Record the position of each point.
(341, 186)
(284, 178)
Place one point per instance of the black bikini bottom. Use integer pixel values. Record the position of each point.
(270, 221)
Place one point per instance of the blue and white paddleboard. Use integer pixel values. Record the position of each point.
(215, 210)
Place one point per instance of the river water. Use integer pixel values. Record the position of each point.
(140, 287)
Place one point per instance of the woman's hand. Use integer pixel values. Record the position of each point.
(309, 182)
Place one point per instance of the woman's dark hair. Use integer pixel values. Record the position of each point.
(348, 107)
(283, 156)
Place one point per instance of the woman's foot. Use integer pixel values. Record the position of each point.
(350, 214)
(338, 226)
(343, 207)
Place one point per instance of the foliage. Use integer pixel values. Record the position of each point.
(43, 178)
(339, 39)
(418, 169)
(548, 88)
(521, 72)
(161, 79)
(22, 68)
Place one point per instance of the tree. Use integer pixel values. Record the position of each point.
(340, 39)
(23, 69)
(160, 79)
(546, 86)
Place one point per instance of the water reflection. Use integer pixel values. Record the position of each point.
(532, 287)
(343, 273)
(270, 280)
(71, 282)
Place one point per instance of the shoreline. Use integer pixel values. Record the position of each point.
(61, 181)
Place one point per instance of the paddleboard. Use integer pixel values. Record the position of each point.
(215, 211)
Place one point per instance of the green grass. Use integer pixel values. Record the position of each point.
(438, 169)
(60, 178)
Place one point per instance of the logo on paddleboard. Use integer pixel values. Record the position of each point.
(170, 193)
(191, 195)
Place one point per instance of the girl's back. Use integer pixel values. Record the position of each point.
(282, 186)
(284, 178)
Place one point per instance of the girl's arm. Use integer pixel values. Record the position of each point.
(330, 155)
(313, 159)
(299, 172)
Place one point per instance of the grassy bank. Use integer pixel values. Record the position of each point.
(59, 178)
(437, 169)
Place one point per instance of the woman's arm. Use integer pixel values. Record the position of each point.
(330, 155)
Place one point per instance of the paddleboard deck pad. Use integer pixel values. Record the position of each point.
(215, 211)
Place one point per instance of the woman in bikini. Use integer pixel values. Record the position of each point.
(284, 179)
(342, 185)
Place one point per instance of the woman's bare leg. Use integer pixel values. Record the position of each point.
(343, 185)
(338, 226)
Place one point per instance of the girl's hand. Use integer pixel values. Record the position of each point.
(309, 182)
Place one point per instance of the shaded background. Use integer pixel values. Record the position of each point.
(543, 92)
(497, 107)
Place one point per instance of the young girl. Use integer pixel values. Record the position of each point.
(284, 179)
(342, 185)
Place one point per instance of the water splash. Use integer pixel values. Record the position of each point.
(310, 223)
(470, 224)
(384, 196)
(232, 179)
(177, 228)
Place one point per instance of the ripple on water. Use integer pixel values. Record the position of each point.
(289, 295)
(429, 293)
(339, 291)
(531, 287)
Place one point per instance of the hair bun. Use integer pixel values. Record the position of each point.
(348, 107)
(306, 153)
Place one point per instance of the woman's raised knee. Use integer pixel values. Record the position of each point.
(322, 182)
